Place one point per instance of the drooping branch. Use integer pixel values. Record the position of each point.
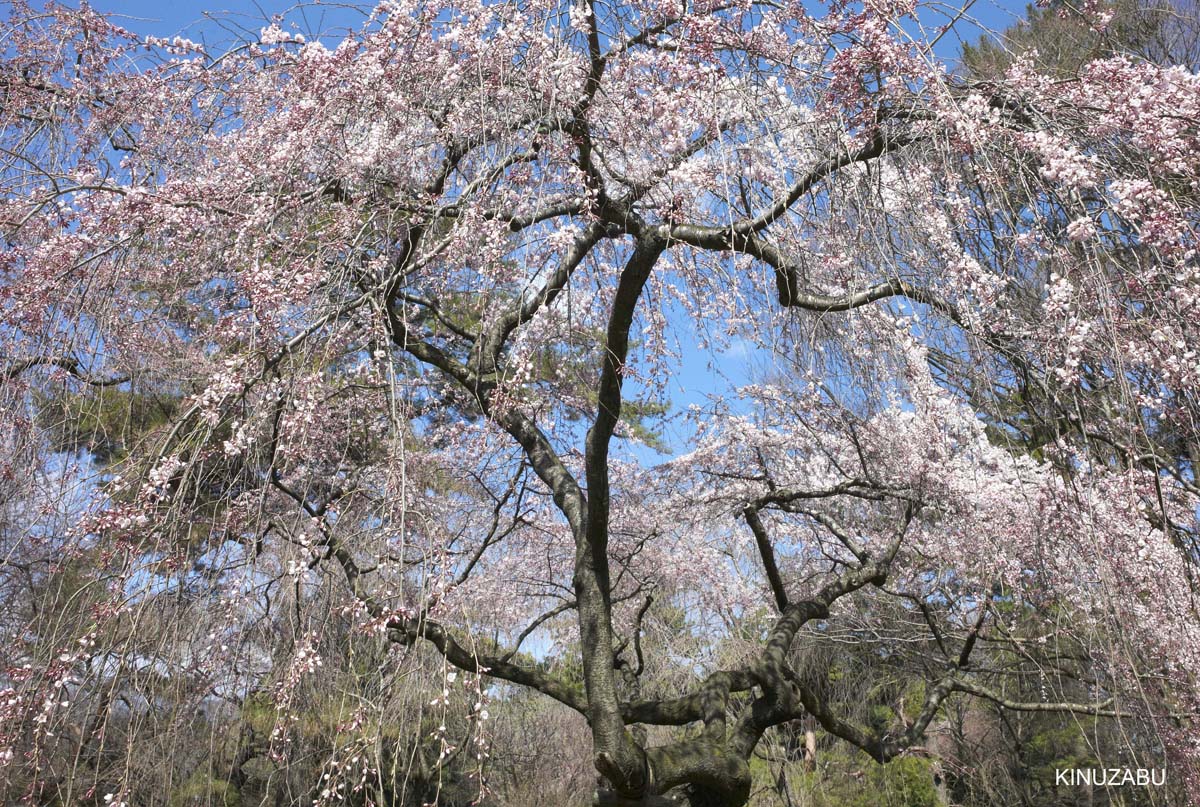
(542, 457)
(878, 146)
(404, 629)
(536, 623)
(532, 301)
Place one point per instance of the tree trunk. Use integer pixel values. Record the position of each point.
(689, 796)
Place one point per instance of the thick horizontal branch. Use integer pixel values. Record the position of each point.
(693, 706)
(63, 363)
(824, 303)
(1095, 709)
(860, 488)
(405, 630)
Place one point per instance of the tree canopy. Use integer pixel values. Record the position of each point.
(338, 378)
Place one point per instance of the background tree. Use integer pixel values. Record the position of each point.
(1061, 39)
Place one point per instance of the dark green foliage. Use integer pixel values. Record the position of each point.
(846, 780)
(106, 422)
(1059, 40)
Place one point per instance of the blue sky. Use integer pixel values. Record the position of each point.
(188, 17)
(194, 18)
